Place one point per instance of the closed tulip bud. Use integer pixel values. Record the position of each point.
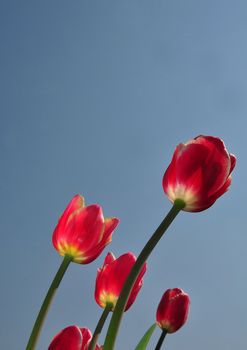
(199, 173)
(72, 338)
(111, 278)
(82, 231)
(173, 310)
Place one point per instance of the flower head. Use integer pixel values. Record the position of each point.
(111, 278)
(72, 338)
(173, 310)
(199, 173)
(82, 231)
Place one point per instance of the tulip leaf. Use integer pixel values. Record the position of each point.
(142, 345)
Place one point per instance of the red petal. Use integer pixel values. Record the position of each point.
(208, 155)
(74, 206)
(110, 225)
(109, 259)
(84, 230)
(94, 253)
(222, 190)
(136, 288)
(169, 178)
(116, 273)
(208, 202)
(233, 162)
(69, 338)
(86, 338)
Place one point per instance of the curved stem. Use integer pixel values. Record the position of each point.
(99, 326)
(47, 302)
(122, 300)
(160, 342)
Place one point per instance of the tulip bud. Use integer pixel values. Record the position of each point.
(72, 338)
(173, 310)
(111, 278)
(199, 173)
(82, 231)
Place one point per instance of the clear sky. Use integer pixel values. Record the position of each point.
(95, 95)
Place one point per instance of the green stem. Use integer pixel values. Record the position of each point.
(99, 326)
(160, 342)
(46, 303)
(122, 300)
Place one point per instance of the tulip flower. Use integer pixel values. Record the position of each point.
(173, 310)
(199, 173)
(109, 283)
(82, 231)
(111, 278)
(80, 236)
(72, 338)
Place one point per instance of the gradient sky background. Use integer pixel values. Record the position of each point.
(95, 95)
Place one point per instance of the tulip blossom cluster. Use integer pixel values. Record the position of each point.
(199, 173)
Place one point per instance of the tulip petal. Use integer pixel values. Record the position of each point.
(74, 206)
(110, 225)
(119, 268)
(198, 156)
(233, 162)
(208, 202)
(85, 228)
(136, 288)
(106, 237)
(81, 233)
(69, 338)
(86, 338)
(109, 259)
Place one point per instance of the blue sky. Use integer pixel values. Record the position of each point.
(95, 95)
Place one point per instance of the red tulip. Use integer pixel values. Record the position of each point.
(111, 278)
(82, 231)
(72, 338)
(173, 310)
(199, 173)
